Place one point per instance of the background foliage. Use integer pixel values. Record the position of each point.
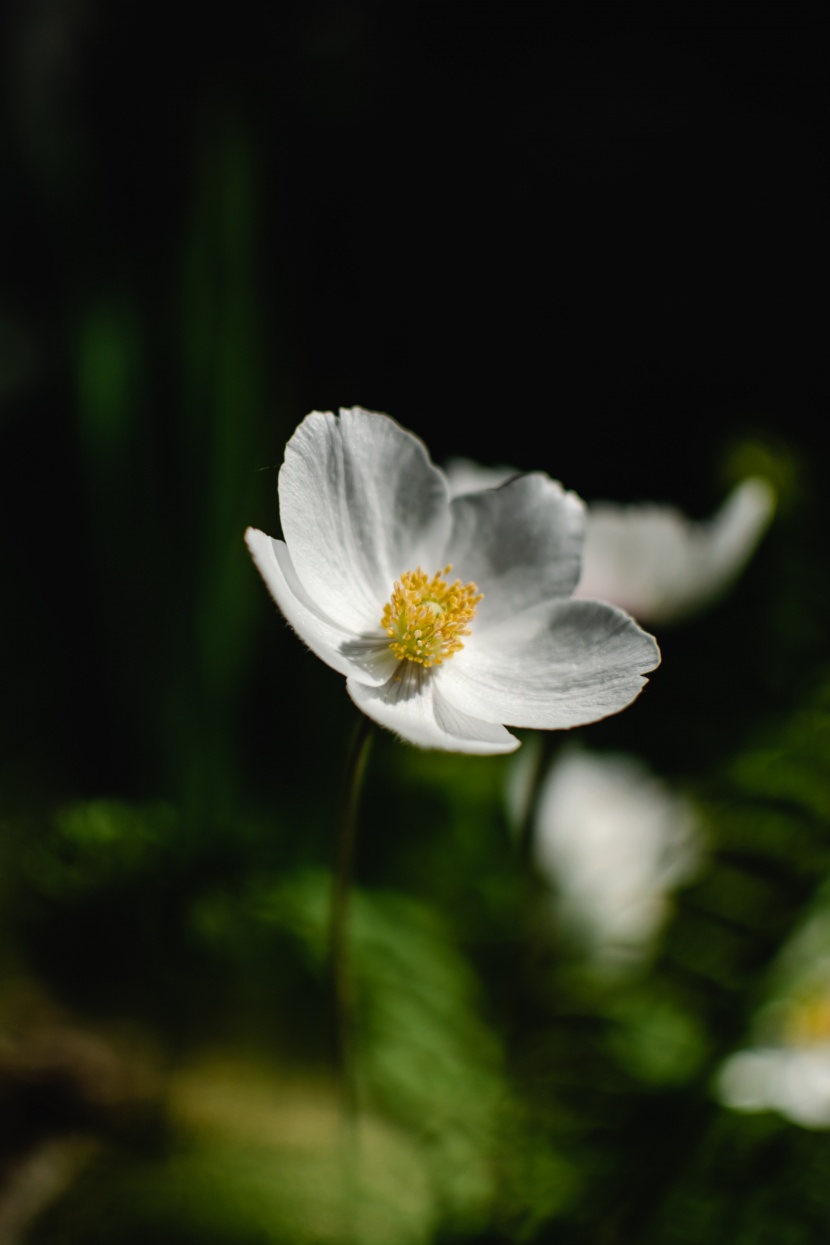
(590, 246)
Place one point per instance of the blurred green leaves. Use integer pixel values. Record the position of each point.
(171, 425)
(99, 845)
(503, 1088)
(110, 372)
(425, 1057)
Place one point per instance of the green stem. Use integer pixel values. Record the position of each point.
(547, 743)
(341, 985)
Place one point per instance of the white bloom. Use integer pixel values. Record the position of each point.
(794, 1081)
(651, 560)
(786, 1066)
(790, 1075)
(614, 841)
(661, 566)
(448, 619)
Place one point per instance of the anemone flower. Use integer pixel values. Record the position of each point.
(790, 1075)
(785, 1066)
(448, 618)
(650, 559)
(614, 841)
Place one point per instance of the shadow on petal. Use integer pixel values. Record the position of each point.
(371, 654)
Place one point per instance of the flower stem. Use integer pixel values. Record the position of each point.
(341, 986)
(546, 745)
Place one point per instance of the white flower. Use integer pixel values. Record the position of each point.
(661, 566)
(614, 841)
(790, 1076)
(786, 1065)
(448, 619)
(651, 560)
(793, 1081)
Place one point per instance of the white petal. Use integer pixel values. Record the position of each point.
(749, 1079)
(659, 565)
(560, 665)
(414, 708)
(520, 544)
(360, 503)
(804, 1093)
(614, 840)
(465, 476)
(795, 1082)
(365, 656)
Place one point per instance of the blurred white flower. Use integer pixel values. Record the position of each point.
(367, 571)
(791, 1076)
(661, 566)
(650, 559)
(786, 1067)
(613, 841)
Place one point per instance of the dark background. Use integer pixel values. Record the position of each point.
(592, 246)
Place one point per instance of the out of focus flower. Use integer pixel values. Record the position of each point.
(790, 1075)
(614, 841)
(661, 566)
(786, 1066)
(448, 619)
(652, 560)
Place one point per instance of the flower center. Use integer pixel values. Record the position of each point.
(426, 618)
(809, 1020)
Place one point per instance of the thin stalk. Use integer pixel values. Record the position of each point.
(546, 746)
(341, 984)
(532, 896)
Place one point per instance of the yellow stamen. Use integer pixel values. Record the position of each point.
(426, 618)
(809, 1020)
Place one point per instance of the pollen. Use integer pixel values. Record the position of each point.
(427, 618)
(808, 1020)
